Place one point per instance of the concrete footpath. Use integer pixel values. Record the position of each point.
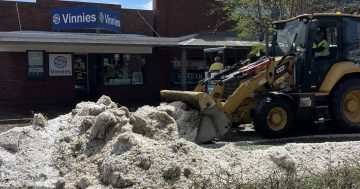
(19, 112)
(16, 112)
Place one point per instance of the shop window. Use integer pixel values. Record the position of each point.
(80, 71)
(329, 29)
(195, 71)
(123, 69)
(351, 41)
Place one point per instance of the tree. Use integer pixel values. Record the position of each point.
(252, 18)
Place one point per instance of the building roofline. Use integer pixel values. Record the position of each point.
(113, 39)
(86, 38)
(216, 39)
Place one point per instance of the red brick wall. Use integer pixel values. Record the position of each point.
(37, 16)
(133, 23)
(15, 86)
(175, 18)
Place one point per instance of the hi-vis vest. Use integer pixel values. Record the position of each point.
(325, 52)
(216, 67)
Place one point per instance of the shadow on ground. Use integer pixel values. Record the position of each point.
(315, 134)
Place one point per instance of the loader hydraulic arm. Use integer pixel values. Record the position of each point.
(246, 89)
(277, 75)
(235, 71)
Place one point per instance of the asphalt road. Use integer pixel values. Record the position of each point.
(245, 134)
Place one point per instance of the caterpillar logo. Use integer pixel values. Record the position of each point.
(279, 70)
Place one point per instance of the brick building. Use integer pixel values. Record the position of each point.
(132, 65)
(175, 18)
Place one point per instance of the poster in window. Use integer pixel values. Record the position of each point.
(35, 66)
(60, 65)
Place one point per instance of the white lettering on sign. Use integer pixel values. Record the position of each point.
(85, 17)
(74, 19)
(281, 69)
(108, 20)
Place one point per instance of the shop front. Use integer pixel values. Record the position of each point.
(191, 60)
(73, 66)
(60, 51)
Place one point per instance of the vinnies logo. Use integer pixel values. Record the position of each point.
(60, 61)
(56, 19)
(109, 20)
(60, 65)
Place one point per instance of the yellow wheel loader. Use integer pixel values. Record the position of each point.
(294, 85)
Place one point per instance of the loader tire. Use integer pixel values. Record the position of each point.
(345, 106)
(273, 117)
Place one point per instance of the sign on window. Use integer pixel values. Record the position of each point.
(35, 67)
(60, 65)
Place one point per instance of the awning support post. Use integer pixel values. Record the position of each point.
(183, 69)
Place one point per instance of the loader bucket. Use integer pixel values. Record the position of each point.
(213, 122)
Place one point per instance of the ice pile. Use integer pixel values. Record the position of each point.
(103, 145)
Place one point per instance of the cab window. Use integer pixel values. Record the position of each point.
(329, 32)
(351, 40)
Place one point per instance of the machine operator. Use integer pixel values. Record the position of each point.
(217, 66)
(321, 46)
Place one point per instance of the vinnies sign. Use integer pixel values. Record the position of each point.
(60, 65)
(85, 17)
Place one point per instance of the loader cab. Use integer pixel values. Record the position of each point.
(296, 37)
(317, 67)
(290, 39)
